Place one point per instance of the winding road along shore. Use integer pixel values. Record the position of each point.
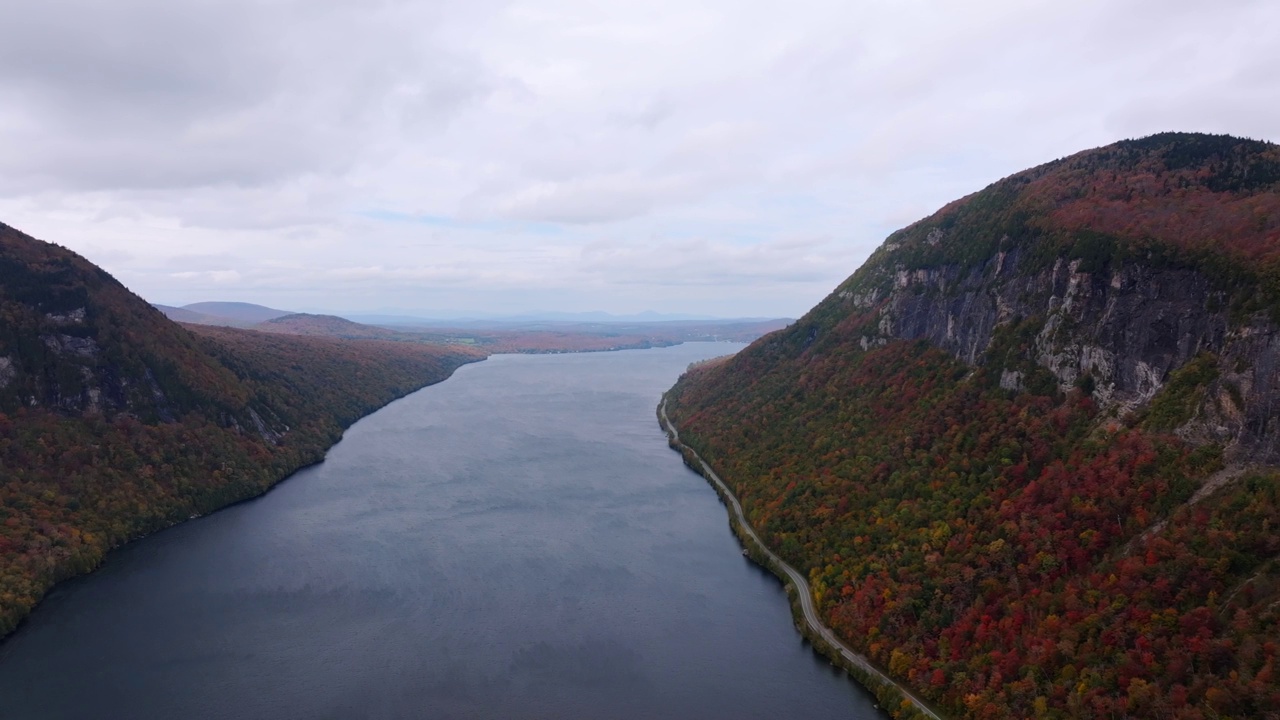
(801, 583)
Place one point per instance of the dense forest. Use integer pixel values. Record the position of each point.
(1025, 454)
(116, 422)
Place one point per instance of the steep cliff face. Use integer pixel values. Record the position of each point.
(1027, 452)
(1124, 331)
(1114, 299)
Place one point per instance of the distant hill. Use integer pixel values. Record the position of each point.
(604, 317)
(239, 312)
(1026, 454)
(536, 317)
(116, 421)
(178, 314)
(326, 326)
(531, 336)
(227, 314)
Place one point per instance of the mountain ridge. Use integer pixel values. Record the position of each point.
(987, 446)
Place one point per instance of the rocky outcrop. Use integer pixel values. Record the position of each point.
(1120, 334)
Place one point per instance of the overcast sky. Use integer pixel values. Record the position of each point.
(722, 157)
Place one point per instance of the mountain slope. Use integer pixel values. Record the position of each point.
(116, 422)
(985, 446)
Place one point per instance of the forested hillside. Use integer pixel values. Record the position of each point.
(1026, 452)
(116, 422)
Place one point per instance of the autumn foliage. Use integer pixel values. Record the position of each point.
(1023, 553)
(116, 422)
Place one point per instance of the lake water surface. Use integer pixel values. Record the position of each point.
(516, 542)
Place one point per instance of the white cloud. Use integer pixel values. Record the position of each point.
(736, 156)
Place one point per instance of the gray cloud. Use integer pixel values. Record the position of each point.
(152, 95)
(708, 156)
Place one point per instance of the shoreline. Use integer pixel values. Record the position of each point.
(308, 461)
(888, 692)
(311, 459)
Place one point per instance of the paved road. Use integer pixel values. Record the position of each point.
(800, 581)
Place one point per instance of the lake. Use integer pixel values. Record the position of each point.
(515, 542)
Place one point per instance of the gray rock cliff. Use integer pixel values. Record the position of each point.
(1126, 329)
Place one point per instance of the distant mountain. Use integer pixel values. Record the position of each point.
(116, 421)
(529, 336)
(178, 314)
(538, 317)
(1027, 454)
(327, 326)
(598, 316)
(240, 312)
(227, 314)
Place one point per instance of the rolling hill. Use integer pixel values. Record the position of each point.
(239, 312)
(224, 314)
(326, 326)
(178, 314)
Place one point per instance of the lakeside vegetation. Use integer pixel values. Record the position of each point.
(1009, 543)
(972, 543)
(116, 422)
(73, 488)
(873, 678)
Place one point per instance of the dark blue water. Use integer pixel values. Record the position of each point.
(516, 542)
